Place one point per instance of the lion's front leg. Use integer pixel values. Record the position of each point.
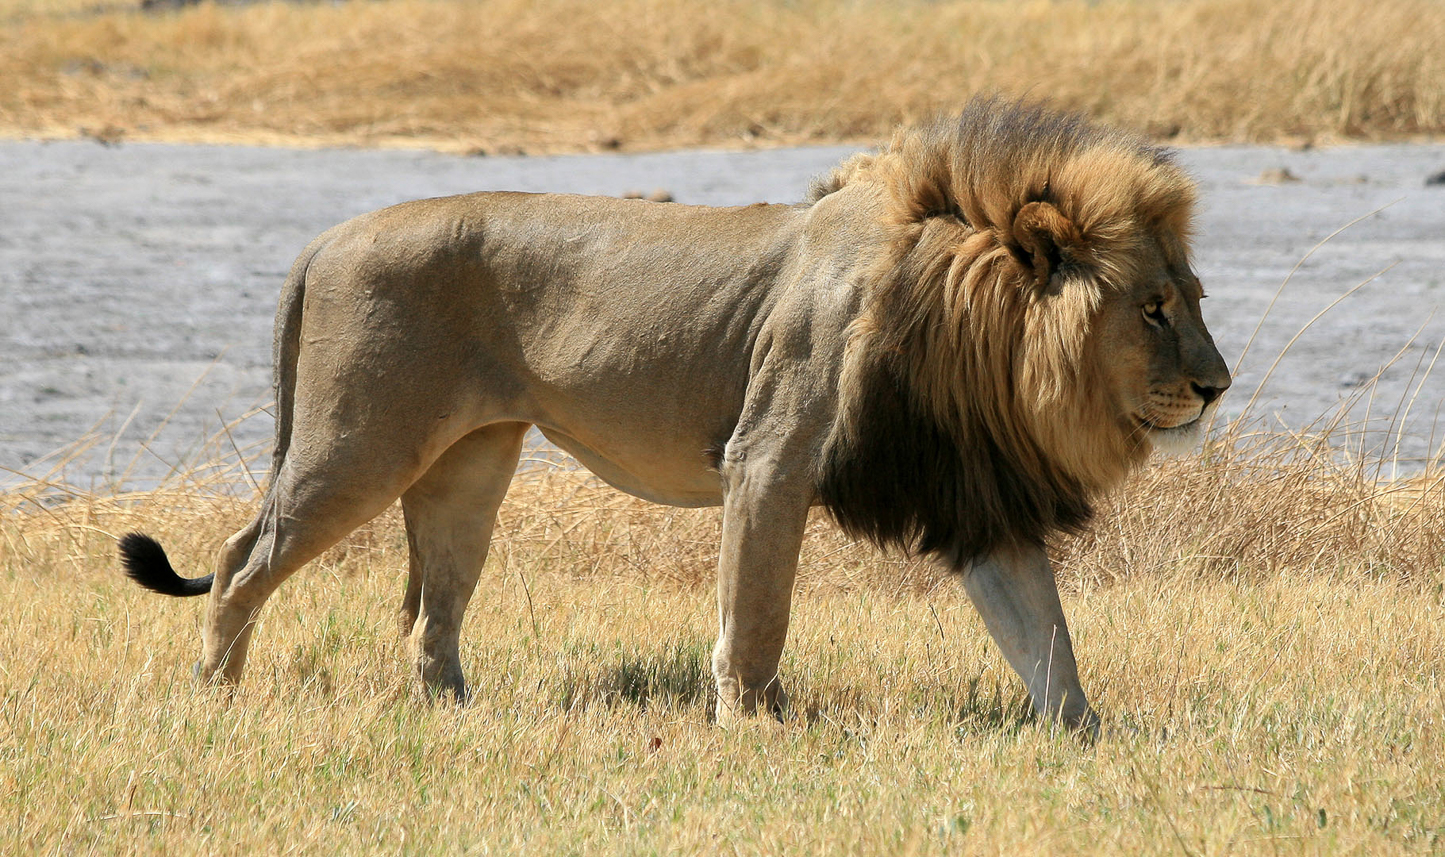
(764, 515)
(1016, 594)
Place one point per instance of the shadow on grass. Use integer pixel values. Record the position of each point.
(679, 676)
(676, 676)
(976, 707)
(983, 707)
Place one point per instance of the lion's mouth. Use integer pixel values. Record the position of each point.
(1179, 439)
(1153, 424)
(1183, 428)
(1153, 427)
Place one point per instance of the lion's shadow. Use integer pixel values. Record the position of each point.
(680, 676)
(675, 676)
(980, 705)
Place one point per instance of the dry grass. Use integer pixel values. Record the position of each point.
(645, 74)
(1264, 628)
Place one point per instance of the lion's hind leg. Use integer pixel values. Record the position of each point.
(306, 510)
(449, 515)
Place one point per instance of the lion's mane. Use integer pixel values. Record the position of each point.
(973, 415)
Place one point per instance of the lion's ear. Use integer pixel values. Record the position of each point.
(1046, 237)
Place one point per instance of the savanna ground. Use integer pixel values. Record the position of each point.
(1261, 624)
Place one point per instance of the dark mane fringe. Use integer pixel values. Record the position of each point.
(907, 482)
(947, 441)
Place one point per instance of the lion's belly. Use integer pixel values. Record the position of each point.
(682, 478)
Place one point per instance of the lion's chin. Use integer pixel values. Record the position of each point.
(1177, 440)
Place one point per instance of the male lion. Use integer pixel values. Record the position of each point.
(954, 346)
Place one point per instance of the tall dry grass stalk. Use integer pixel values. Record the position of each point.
(1250, 509)
(647, 74)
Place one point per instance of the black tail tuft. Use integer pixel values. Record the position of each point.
(145, 562)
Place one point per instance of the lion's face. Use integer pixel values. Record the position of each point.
(1163, 370)
(1033, 300)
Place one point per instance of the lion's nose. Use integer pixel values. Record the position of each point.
(1208, 394)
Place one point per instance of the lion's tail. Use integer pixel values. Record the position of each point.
(142, 557)
(145, 562)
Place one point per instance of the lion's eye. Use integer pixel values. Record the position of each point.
(1154, 312)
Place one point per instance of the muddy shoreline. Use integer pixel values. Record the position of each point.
(138, 282)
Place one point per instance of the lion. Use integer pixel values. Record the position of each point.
(954, 345)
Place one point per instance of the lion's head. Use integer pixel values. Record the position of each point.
(1031, 333)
